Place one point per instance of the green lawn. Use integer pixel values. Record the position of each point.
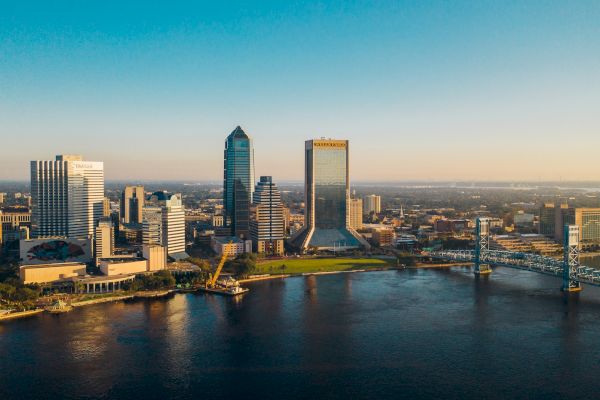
(299, 265)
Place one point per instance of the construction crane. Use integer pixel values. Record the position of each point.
(213, 281)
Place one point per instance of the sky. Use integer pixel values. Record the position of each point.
(424, 90)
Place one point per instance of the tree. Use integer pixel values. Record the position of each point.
(243, 265)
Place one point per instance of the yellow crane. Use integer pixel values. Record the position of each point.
(213, 281)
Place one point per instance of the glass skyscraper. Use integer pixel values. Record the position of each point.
(238, 182)
(327, 225)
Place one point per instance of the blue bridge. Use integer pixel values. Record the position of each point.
(572, 273)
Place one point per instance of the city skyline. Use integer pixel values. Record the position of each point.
(444, 91)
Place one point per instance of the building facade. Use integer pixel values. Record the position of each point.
(356, 213)
(371, 204)
(164, 223)
(132, 204)
(267, 227)
(67, 197)
(104, 239)
(546, 225)
(238, 182)
(230, 246)
(327, 225)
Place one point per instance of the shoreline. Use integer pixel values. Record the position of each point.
(155, 294)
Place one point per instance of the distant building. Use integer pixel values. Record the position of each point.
(106, 207)
(451, 225)
(553, 218)
(356, 213)
(217, 221)
(371, 204)
(522, 219)
(383, 237)
(588, 220)
(230, 246)
(14, 224)
(238, 182)
(267, 226)
(547, 220)
(327, 225)
(104, 238)
(132, 204)
(67, 197)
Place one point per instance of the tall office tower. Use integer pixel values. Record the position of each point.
(371, 204)
(2, 195)
(164, 223)
(67, 197)
(356, 213)
(132, 204)
(105, 238)
(152, 225)
(106, 207)
(238, 182)
(563, 215)
(547, 220)
(588, 221)
(267, 226)
(326, 193)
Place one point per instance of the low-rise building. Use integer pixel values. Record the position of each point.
(47, 273)
(123, 266)
(383, 237)
(230, 246)
(156, 256)
(451, 225)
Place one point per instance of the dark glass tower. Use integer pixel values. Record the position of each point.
(327, 225)
(238, 182)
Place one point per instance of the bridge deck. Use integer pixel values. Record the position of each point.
(523, 261)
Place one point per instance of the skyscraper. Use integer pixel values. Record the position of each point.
(164, 223)
(356, 213)
(326, 192)
(132, 203)
(267, 225)
(67, 197)
(238, 182)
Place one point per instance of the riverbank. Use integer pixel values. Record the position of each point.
(20, 314)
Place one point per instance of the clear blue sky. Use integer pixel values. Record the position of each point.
(422, 89)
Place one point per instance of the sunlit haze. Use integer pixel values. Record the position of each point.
(437, 90)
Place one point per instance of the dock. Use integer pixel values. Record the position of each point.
(223, 291)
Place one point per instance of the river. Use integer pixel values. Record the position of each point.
(397, 334)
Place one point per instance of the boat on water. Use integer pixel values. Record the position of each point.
(227, 291)
(59, 307)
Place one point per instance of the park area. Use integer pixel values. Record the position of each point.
(306, 265)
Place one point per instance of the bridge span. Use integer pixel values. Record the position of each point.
(573, 274)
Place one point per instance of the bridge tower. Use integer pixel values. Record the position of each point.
(482, 246)
(571, 260)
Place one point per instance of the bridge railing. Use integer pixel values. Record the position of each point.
(529, 261)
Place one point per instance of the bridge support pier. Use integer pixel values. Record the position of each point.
(482, 247)
(571, 259)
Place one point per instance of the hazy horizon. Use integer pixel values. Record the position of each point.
(439, 91)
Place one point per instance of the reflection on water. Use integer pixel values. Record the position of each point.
(415, 333)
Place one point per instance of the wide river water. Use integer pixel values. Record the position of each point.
(396, 334)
